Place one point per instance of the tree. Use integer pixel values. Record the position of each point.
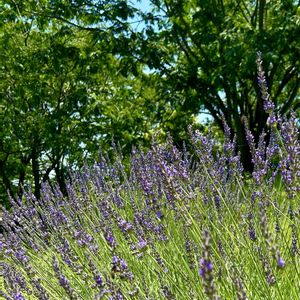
(67, 89)
(73, 76)
(205, 52)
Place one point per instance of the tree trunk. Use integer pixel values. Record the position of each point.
(36, 169)
(243, 147)
(60, 178)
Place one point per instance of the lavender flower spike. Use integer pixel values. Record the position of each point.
(206, 268)
(268, 104)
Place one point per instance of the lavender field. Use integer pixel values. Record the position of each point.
(176, 226)
(170, 224)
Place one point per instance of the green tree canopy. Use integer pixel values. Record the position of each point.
(205, 52)
(75, 74)
(69, 85)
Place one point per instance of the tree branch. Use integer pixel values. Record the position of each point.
(289, 103)
(261, 14)
(289, 74)
(254, 15)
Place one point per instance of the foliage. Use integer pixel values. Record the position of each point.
(205, 53)
(77, 74)
(67, 90)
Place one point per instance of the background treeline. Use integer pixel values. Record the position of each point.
(76, 74)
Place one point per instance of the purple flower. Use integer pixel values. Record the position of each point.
(142, 244)
(63, 281)
(206, 266)
(118, 264)
(110, 239)
(98, 280)
(159, 214)
(124, 225)
(18, 296)
(20, 255)
(252, 234)
(268, 104)
(280, 262)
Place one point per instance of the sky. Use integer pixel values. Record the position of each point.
(145, 6)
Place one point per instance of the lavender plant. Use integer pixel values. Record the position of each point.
(178, 226)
